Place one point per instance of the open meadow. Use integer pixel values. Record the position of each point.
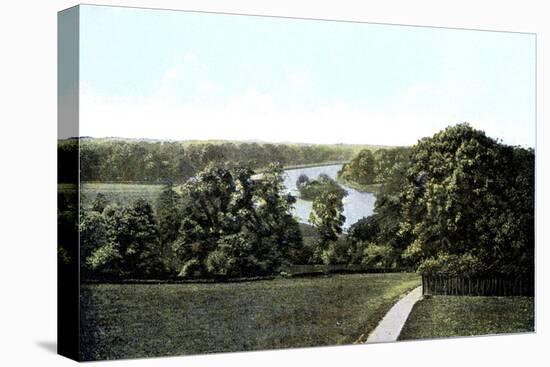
(144, 320)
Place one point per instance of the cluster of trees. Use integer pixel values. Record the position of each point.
(235, 226)
(161, 162)
(311, 189)
(463, 204)
(368, 168)
(223, 224)
(456, 203)
(120, 241)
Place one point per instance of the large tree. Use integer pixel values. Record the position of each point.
(130, 247)
(468, 204)
(234, 225)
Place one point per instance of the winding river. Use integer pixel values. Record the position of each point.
(356, 204)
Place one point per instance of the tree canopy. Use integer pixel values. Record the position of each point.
(310, 189)
(234, 225)
(467, 204)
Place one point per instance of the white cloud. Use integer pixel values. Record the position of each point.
(250, 115)
(213, 113)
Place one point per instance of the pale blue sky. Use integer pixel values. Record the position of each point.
(184, 75)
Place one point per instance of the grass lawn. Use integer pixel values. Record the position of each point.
(141, 320)
(447, 316)
(120, 192)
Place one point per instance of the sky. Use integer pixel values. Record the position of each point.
(185, 75)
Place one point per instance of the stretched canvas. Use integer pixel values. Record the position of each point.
(235, 182)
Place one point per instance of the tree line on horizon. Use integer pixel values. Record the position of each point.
(174, 162)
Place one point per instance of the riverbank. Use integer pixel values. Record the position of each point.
(371, 188)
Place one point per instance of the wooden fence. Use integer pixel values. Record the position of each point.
(486, 286)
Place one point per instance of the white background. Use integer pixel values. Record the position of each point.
(28, 183)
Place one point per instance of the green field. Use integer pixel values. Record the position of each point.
(448, 316)
(142, 320)
(122, 193)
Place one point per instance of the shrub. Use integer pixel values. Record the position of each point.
(378, 256)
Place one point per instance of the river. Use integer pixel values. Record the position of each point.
(356, 204)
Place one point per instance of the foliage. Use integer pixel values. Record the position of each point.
(305, 254)
(468, 204)
(368, 171)
(365, 229)
(377, 256)
(310, 189)
(360, 234)
(110, 160)
(336, 252)
(365, 246)
(94, 234)
(236, 226)
(99, 203)
(327, 217)
(122, 242)
(169, 218)
(361, 169)
(386, 161)
(456, 203)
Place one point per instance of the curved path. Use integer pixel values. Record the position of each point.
(389, 328)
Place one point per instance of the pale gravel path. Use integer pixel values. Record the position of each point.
(389, 328)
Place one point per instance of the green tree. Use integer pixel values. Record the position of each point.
(386, 161)
(361, 233)
(274, 212)
(468, 204)
(309, 190)
(235, 226)
(327, 217)
(361, 169)
(388, 215)
(169, 217)
(94, 234)
(132, 249)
